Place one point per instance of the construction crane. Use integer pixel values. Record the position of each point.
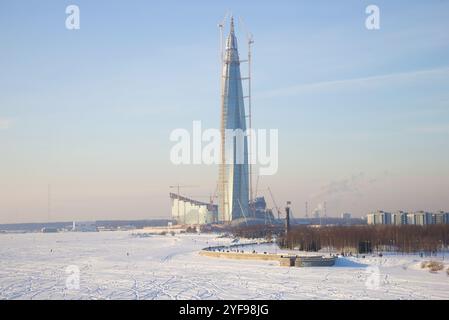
(210, 197)
(178, 187)
(220, 27)
(274, 202)
(250, 40)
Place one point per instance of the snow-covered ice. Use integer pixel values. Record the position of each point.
(117, 265)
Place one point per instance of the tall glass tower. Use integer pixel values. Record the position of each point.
(233, 176)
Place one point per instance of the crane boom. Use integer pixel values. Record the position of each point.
(274, 202)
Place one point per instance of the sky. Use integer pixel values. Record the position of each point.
(363, 115)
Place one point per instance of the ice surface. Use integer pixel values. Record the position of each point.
(117, 265)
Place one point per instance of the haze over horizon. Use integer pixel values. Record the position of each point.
(363, 115)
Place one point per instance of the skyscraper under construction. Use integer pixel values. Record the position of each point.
(236, 203)
(233, 185)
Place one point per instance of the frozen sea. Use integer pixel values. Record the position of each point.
(118, 265)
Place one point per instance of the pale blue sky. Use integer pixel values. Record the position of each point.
(363, 116)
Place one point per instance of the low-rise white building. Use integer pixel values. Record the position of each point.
(189, 211)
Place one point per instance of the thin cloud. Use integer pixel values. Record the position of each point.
(379, 79)
(433, 129)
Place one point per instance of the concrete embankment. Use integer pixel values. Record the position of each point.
(288, 260)
(239, 255)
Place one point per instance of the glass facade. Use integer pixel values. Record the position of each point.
(233, 176)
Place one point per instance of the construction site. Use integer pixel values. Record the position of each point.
(237, 201)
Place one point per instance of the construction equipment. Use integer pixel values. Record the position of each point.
(274, 202)
(250, 40)
(210, 197)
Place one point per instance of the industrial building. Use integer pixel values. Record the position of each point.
(346, 216)
(84, 226)
(189, 211)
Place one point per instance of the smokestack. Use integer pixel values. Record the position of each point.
(287, 219)
(307, 210)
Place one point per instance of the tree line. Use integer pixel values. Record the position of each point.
(360, 238)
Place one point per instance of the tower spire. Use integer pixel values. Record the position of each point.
(232, 40)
